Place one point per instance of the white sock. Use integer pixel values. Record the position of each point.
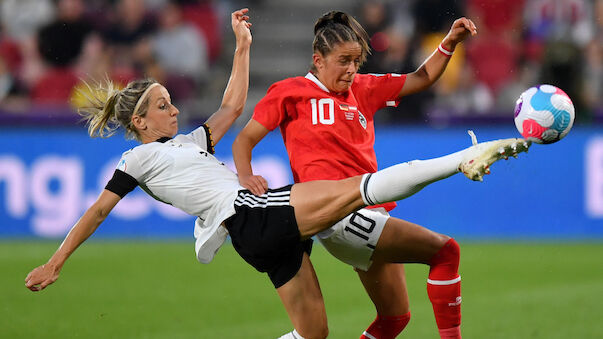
(291, 335)
(403, 180)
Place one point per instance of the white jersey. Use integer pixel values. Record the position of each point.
(182, 172)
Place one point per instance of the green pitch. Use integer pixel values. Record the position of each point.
(157, 290)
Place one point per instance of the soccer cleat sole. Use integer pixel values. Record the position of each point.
(485, 154)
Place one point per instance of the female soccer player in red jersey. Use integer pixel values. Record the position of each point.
(326, 120)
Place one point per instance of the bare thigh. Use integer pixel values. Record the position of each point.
(404, 242)
(320, 204)
(385, 283)
(304, 303)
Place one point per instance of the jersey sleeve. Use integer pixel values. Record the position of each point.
(378, 90)
(270, 110)
(127, 174)
(121, 183)
(202, 137)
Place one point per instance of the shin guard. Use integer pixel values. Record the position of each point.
(444, 286)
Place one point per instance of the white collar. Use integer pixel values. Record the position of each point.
(315, 80)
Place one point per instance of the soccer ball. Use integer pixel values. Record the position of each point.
(544, 114)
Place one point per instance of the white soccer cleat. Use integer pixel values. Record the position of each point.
(478, 158)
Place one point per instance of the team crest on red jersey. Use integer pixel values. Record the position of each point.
(362, 120)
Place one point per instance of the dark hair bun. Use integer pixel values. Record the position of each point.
(332, 17)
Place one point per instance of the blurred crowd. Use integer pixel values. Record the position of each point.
(520, 43)
(48, 46)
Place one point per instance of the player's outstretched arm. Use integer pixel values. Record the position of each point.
(249, 136)
(44, 275)
(235, 94)
(433, 67)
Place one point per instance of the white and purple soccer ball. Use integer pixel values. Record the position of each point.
(544, 114)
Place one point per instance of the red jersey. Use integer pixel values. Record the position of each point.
(328, 136)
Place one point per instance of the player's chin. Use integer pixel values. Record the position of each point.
(174, 129)
(343, 86)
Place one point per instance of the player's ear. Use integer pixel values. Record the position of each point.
(139, 122)
(318, 60)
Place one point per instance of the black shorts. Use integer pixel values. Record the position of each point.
(264, 232)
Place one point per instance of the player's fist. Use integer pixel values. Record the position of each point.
(41, 276)
(240, 27)
(460, 30)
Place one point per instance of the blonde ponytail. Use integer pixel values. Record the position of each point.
(99, 114)
(109, 107)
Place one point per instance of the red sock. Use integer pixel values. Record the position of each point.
(386, 327)
(450, 333)
(444, 289)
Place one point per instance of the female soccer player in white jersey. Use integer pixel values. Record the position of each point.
(326, 120)
(271, 231)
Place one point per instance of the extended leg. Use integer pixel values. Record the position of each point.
(319, 204)
(403, 180)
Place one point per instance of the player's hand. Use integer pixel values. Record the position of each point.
(41, 277)
(460, 30)
(254, 183)
(240, 27)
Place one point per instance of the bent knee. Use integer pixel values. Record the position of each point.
(442, 239)
(450, 252)
(453, 248)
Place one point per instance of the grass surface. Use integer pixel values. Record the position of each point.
(139, 289)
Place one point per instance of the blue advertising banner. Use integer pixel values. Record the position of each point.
(555, 191)
(48, 177)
